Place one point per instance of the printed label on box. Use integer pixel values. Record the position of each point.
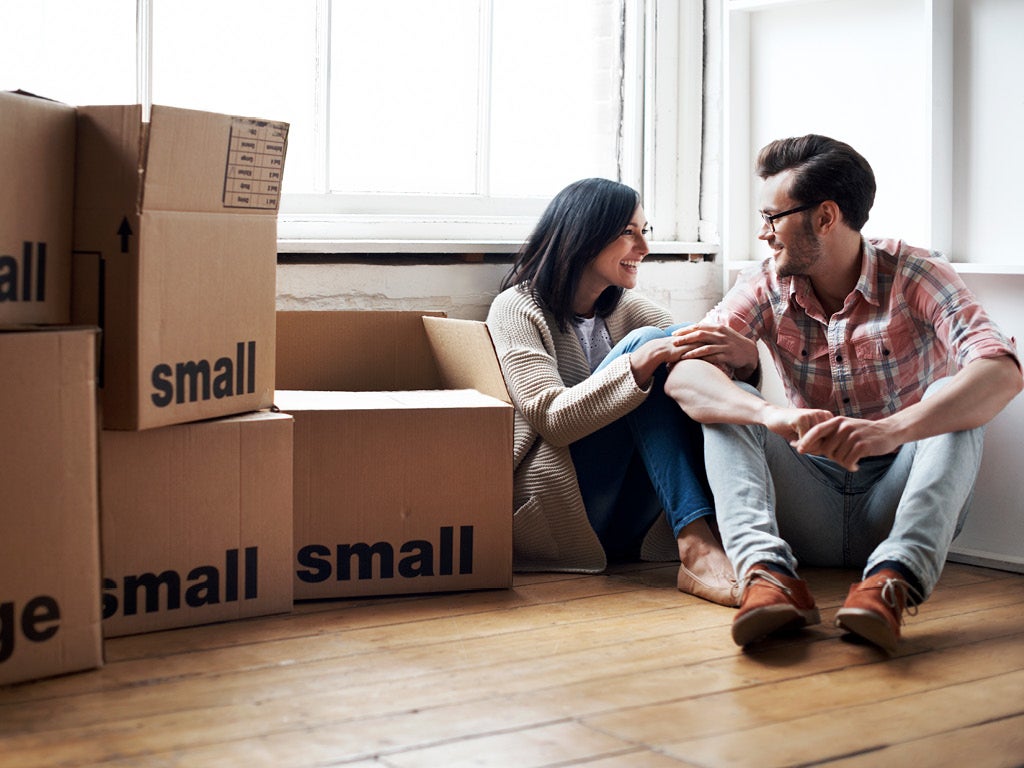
(255, 163)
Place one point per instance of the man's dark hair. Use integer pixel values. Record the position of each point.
(824, 169)
(575, 227)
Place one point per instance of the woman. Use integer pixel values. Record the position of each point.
(607, 467)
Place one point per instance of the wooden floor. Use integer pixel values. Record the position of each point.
(600, 671)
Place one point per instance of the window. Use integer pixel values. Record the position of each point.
(410, 119)
(76, 51)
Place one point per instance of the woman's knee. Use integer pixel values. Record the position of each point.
(640, 336)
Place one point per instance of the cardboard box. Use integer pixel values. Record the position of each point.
(176, 258)
(196, 523)
(396, 490)
(37, 155)
(49, 547)
(355, 351)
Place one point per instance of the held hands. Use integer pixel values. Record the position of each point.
(793, 424)
(846, 441)
(841, 439)
(720, 345)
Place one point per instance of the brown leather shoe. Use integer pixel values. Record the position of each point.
(874, 608)
(772, 602)
(727, 593)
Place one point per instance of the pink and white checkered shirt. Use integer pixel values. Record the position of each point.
(909, 321)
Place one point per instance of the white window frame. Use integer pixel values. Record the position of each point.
(660, 154)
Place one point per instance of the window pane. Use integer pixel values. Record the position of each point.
(404, 92)
(75, 51)
(556, 94)
(242, 57)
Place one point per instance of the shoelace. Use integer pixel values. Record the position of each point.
(894, 589)
(767, 576)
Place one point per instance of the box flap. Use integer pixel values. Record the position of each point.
(354, 350)
(233, 164)
(465, 356)
(107, 191)
(111, 147)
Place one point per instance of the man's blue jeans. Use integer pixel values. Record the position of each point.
(648, 461)
(777, 506)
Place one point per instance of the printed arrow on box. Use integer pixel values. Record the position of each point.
(125, 231)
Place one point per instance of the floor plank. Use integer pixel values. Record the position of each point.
(878, 724)
(998, 744)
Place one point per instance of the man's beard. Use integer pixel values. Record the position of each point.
(802, 252)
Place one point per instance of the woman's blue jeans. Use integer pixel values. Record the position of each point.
(650, 460)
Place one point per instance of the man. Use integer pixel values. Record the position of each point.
(873, 464)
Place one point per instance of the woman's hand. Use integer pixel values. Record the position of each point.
(726, 349)
(646, 359)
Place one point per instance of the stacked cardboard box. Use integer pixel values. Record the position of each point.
(175, 258)
(403, 466)
(139, 346)
(49, 549)
(161, 235)
(175, 263)
(49, 556)
(196, 521)
(37, 155)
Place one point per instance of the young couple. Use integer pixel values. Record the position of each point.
(637, 437)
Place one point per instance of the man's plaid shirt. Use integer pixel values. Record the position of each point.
(909, 321)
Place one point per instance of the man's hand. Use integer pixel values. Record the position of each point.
(793, 423)
(846, 441)
(971, 398)
(720, 345)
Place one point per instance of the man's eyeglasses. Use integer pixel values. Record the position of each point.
(769, 218)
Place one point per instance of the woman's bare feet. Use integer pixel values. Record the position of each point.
(704, 570)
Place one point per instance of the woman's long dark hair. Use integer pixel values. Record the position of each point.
(575, 227)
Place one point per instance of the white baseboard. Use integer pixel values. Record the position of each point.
(1001, 562)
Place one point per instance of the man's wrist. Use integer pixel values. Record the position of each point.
(749, 375)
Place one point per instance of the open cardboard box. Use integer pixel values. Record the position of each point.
(37, 155)
(175, 238)
(403, 467)
(49, 546)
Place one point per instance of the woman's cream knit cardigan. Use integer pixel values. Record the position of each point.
(557, 402)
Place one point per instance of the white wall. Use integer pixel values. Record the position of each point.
(854, 71)
(995, 527)
(465, 290)
(928, 90)
(988, 124)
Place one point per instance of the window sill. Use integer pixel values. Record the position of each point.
(706, 251)
(972, 268)
(733, 268)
